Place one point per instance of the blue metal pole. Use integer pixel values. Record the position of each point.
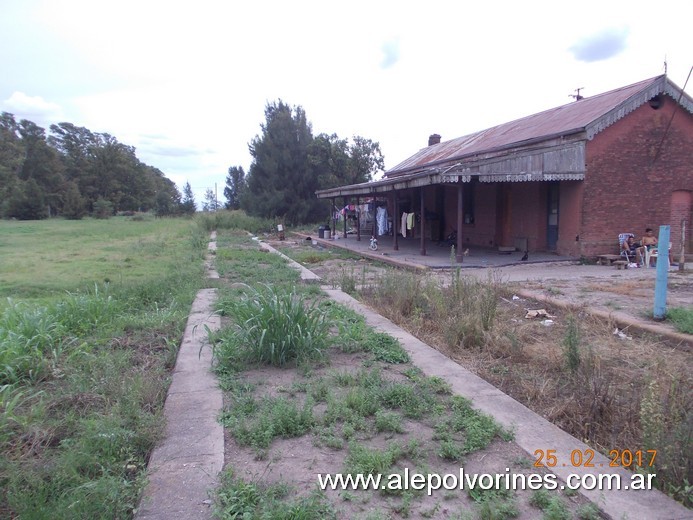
(660, 298)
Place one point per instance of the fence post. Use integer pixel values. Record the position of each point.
(660, 297)
(682, 255)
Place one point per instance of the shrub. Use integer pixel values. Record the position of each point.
(571, 343)
(103, 209)
(271, 326)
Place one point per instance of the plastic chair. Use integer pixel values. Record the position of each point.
(654, 253)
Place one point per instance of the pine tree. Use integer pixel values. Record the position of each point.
(188, 205)
(73, 204)
(235, 186)
(281, 180)
(210, 202)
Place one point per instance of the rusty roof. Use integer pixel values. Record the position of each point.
(589, 114)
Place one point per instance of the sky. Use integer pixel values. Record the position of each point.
(187, 82)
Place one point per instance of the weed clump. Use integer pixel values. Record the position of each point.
(270, 326)
(571, 345)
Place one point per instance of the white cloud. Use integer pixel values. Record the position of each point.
(601, 45)
(33, 108)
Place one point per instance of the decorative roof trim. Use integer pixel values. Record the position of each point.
(449, 178)
(531, 177)
(661, 86)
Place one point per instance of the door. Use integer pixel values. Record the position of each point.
(552, 217)
(503, 215)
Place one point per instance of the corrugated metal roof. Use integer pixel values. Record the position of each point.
(591, 114)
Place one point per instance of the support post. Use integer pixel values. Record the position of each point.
(458, 248)
(682, 254)
(358, 220)
(334, 220)
(345, 217)
(660, 298)
(395, 220)
(423, 224)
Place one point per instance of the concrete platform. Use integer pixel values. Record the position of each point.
(532, 432)
(184, 467)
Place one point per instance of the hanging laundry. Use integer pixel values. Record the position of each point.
(381, 220)
(410, 220)
(403, 227)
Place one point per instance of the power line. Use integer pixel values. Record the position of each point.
(666, 130)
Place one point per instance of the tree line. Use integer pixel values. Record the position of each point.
(289, 164)
(73, 171)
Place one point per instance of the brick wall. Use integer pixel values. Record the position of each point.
(630, 180)
(527, 219)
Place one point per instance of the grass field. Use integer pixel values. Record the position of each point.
(91, 316)
(45, 258)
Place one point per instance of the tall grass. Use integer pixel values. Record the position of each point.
(235, 219)
(463, 312)
(31, 340)
(84, 369)
(271, 326)
(643, 405)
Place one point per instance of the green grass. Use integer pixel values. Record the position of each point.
(240, 499)
(270, 326)
(682, 318)
(235, 220)
(47, 258)
(371, 461)
(92, 315)
(552, 506)
(256, 424)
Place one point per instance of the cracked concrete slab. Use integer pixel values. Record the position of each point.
(532, 432)
(183, 469)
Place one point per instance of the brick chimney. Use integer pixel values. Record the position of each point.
(433, 139)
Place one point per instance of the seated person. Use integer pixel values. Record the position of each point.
(631, 248)
(647, 243)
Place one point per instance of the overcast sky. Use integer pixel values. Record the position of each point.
(187, 82)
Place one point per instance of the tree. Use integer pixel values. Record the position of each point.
(365, 160)
(281, 181)
(104, 168)
(210, 203)
(73, 202)
(28, 201)
(167, 202)
(12, 153)
(329, 158)
(41, 163)
(76, 145)
(188, 206)
(235, 186)
(103, 209)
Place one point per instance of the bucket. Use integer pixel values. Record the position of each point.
(327, 234)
